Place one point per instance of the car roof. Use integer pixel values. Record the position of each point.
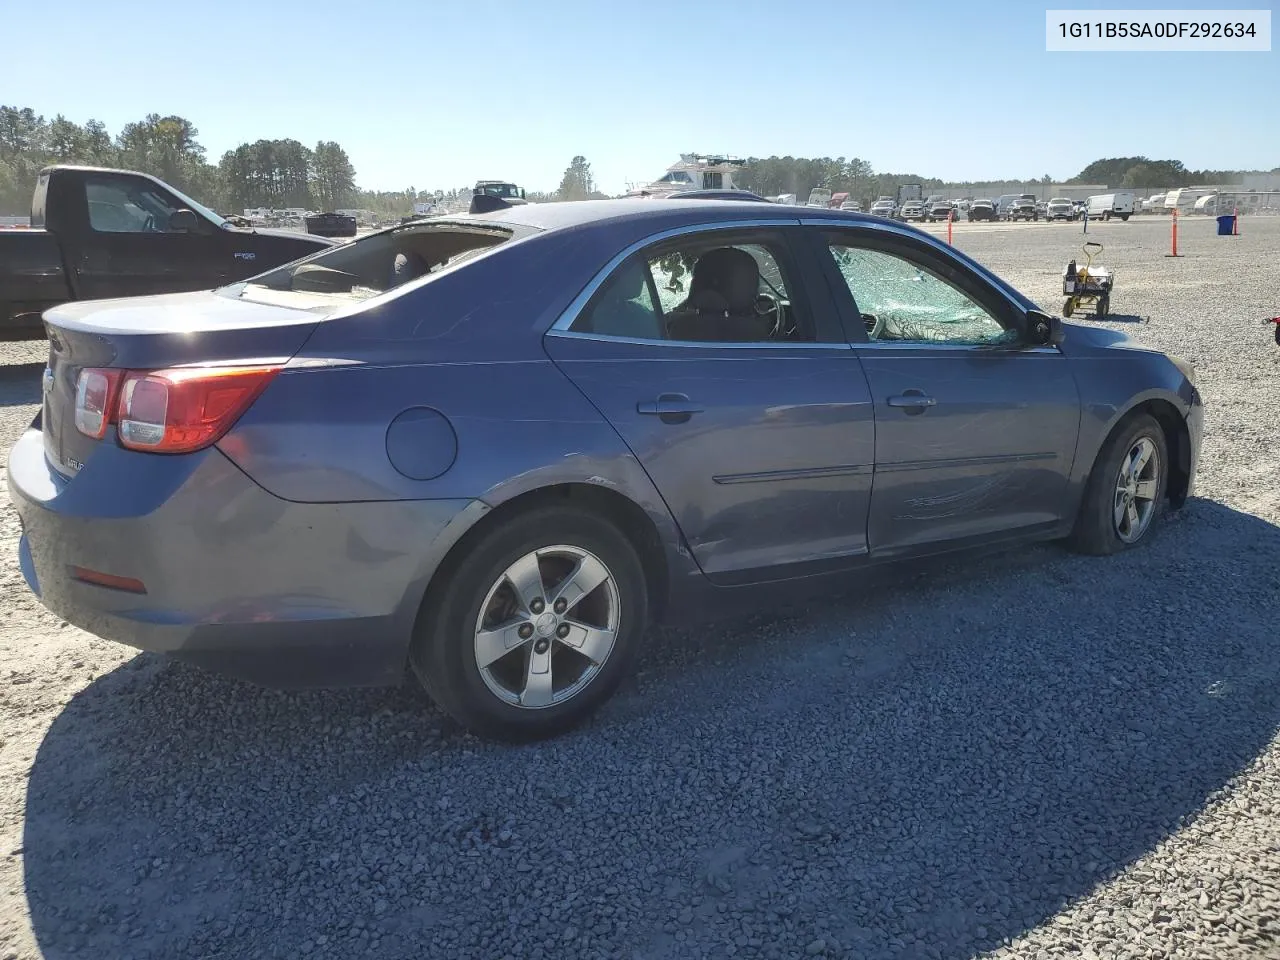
(657, 214)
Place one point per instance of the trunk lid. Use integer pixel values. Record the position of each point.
(150, 333)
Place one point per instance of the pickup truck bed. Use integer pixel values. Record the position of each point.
(32, 279)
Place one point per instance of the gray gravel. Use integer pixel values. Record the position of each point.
(1034, 755)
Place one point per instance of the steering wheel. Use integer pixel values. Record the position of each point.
(874, 325)
(767, 304)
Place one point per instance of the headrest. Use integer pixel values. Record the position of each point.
(729, 272)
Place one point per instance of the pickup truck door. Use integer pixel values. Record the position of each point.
(127, 246)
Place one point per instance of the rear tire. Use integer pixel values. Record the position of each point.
(482, 649)
(1121, 507)
(1068, 306)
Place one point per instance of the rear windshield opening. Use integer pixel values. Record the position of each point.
(373, 265)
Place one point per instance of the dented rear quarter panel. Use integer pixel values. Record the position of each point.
(467, 345)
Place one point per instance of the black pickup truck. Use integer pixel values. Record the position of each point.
(98, 233)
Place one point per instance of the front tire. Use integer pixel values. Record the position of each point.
(534, 627)
(1125, 494)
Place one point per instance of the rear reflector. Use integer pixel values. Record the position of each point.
(99, 579)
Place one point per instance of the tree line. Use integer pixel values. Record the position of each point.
(799, 175)
(1142, 172)
(287, 173)
(269, 173)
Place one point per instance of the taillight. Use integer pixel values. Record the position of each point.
(95, 394)
(186, 408)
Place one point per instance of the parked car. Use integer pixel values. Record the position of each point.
(1042, 209)
(1060, 208)
(99, 233)
(884, 207)
(312, 478)
(1022, 210)
(331, 225)
(1003, 202)
(503, 189)
(913, 210)
(941, 210)
(982, 210)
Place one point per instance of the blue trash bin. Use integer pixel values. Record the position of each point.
(1227, 225)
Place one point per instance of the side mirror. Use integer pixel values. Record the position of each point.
(522, 196)
(183, 221)
(1044, 329)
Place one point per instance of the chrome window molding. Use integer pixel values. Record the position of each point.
(561, 327)
(704, 344)
(999, 350)
(570, 313)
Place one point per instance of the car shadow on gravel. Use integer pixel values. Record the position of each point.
(926, 769)
(20, 383)
(1125, 318)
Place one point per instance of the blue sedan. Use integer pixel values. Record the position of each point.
(495, 447)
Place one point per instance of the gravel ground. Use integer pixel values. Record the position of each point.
(1034, 755)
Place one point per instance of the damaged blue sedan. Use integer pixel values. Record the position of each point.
(494, 447)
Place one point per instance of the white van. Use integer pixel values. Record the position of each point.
(1104, 206)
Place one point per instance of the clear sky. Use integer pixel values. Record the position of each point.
(440, 93)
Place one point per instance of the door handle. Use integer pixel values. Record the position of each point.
(669, 408)
(912, 401)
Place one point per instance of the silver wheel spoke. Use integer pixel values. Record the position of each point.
(1131, 517)
(593, 643)
(1144, 451)
(538, 689)
(525, 577)
(586, 576)
(1121, 505)
(1146, 490)
(493, 645)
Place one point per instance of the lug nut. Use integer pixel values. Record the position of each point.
(561, 605)
(562, 631)
(541, 646)
(537, 606)
(525, 631)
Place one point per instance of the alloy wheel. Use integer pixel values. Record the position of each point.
(547, 626)
(1137, 486)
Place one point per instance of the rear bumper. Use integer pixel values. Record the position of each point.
(237, 580)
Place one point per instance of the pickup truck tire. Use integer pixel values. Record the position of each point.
(1124, 217)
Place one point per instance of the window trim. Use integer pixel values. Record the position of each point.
(126, 184)
(989, 296)
(784, 229)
